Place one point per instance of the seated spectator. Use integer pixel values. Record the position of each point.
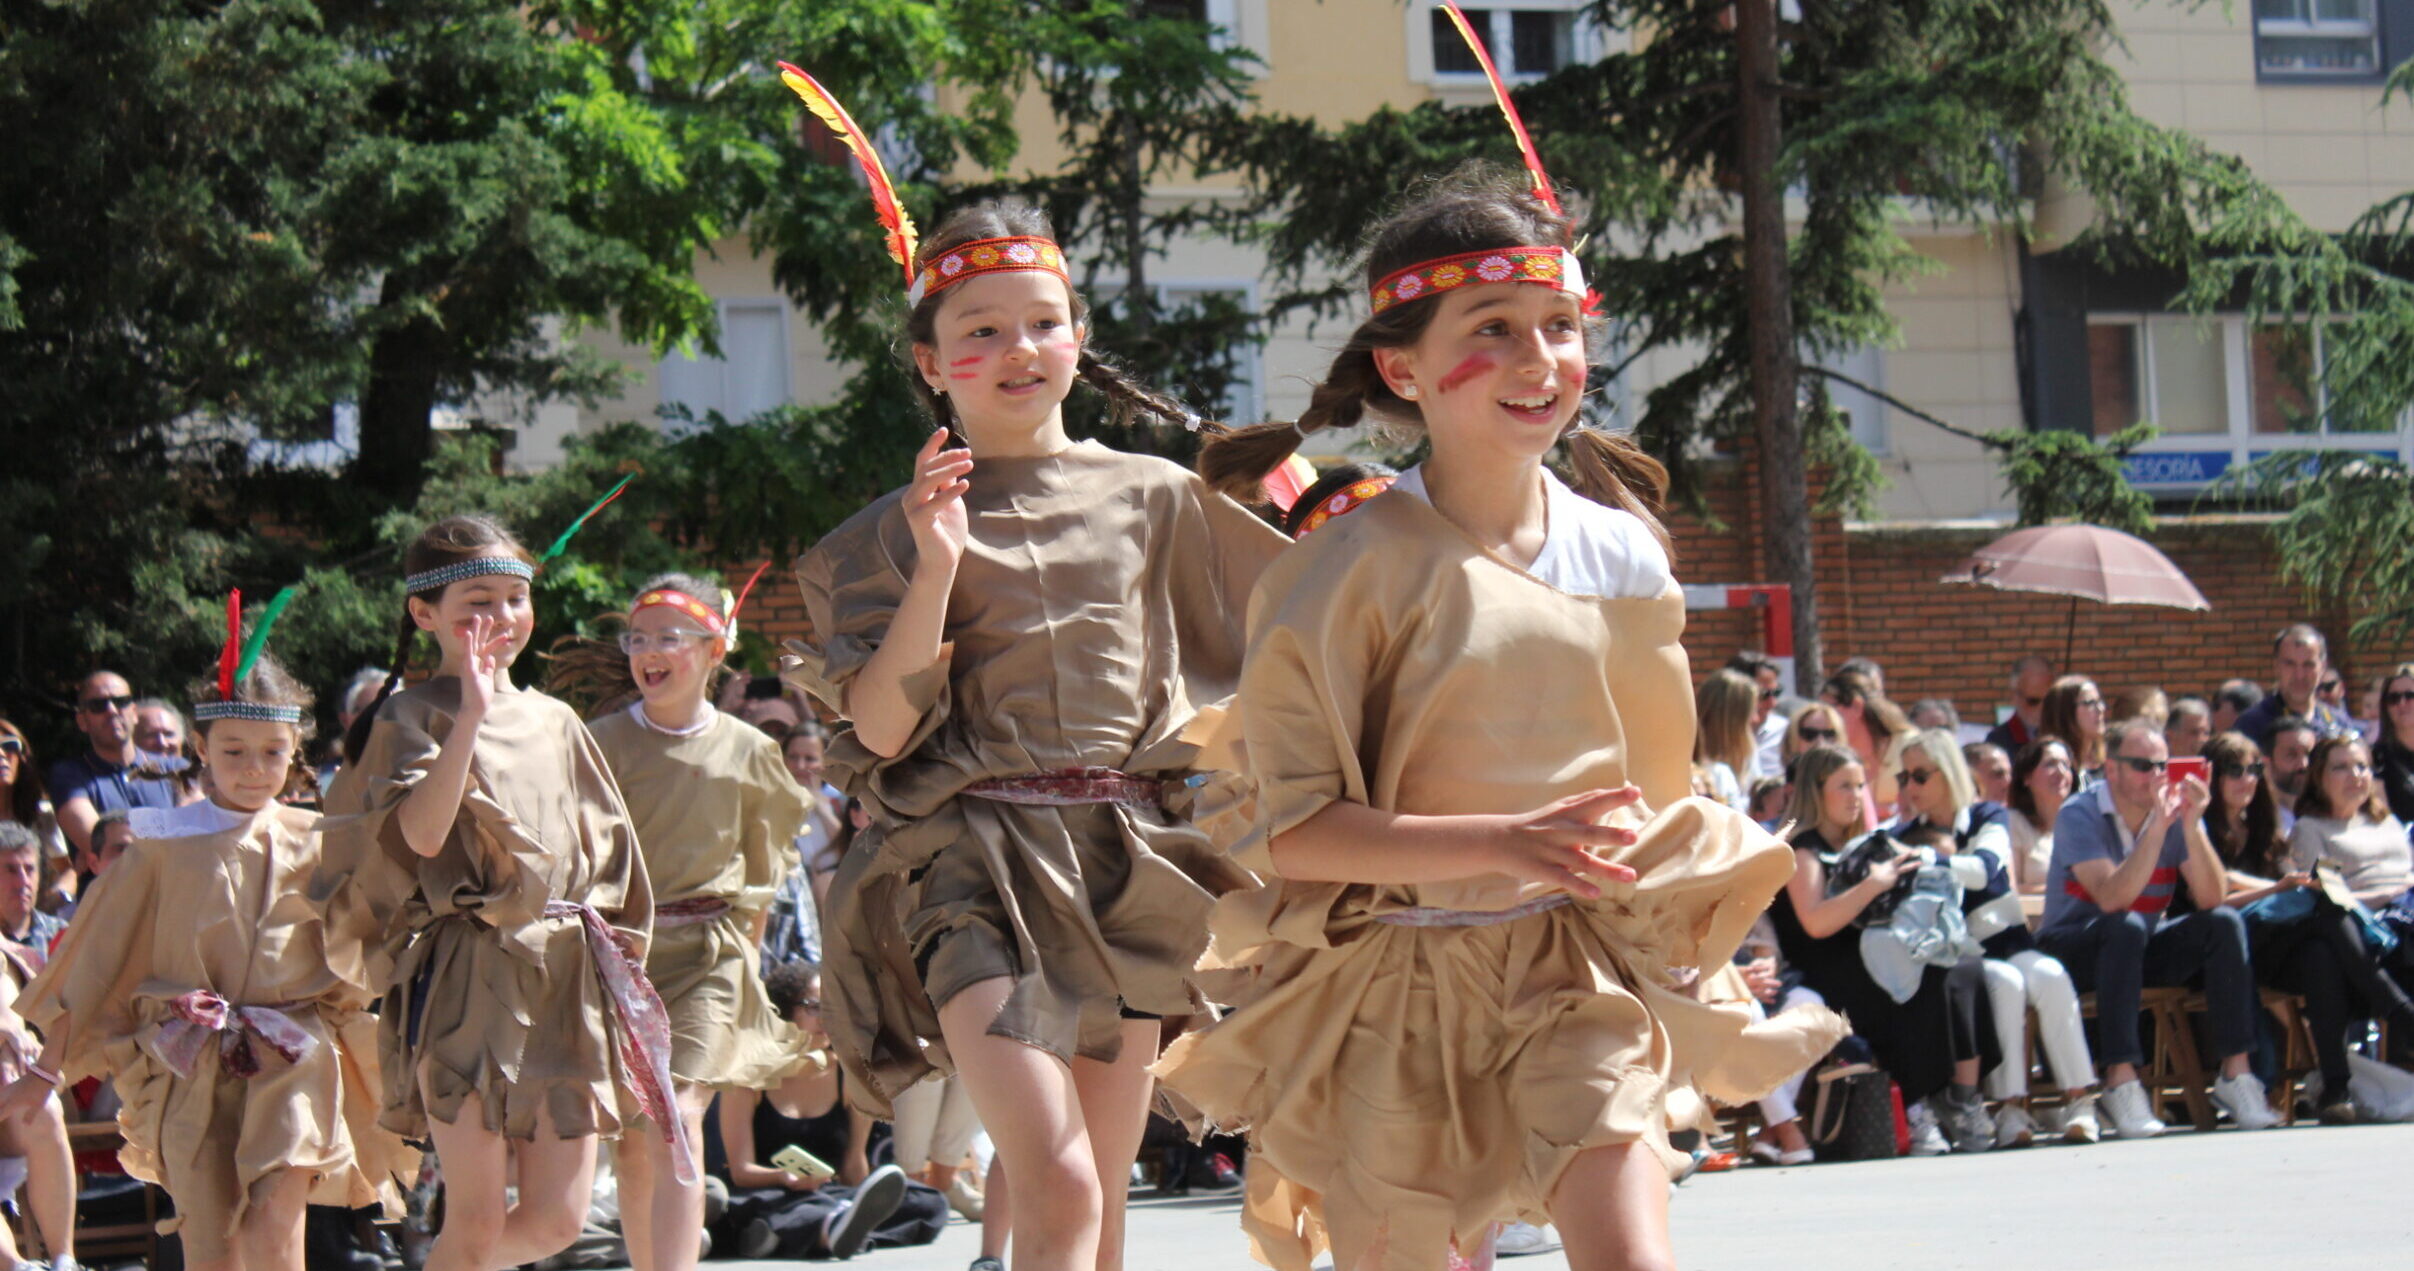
(1868, 672)
(1991, 769)
(1936, 1044)
(2190, 726)
(2393, 746)
(2074, 715)
(111, 836)
(1723, 742)
(2332, 692)
(22, 925)
(159, 735)
(2123, 853)
(1768, 716)
(23, 800)
(775, 1212)
(2232, 701)
(2043, 779)
(37, 1138)
(1938, 792)
(2300, 666)
(2148, 704)
(1935, 712)
(2032, 677)
(2291, 749)
(2342, 817)
(765, 702)
(2367, 709)
(1813, 724)
(1769, 797)
(106, 777)
(358, 692)
(2299, 944)
(1871, 723)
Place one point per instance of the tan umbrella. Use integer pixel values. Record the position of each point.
(2082, 562)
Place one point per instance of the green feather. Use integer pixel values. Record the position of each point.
(259, 632)
(575, 526)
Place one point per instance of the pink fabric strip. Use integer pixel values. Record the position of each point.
(1069, 787)
(202, 1016)
(692, 912)
(645, 1030)
(1422, 917)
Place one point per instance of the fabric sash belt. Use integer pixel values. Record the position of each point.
(1068, 787)
(645, 1030)
(1425, 917)
(692, 912)
(201, 1016)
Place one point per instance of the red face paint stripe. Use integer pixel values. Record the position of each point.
(1466, 371)
(963, 375)
(966, 361)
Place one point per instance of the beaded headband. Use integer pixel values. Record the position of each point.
(1344, 501)
(474, 567)
(684, 603)
(1551, 266)
(1018, 253)
(261, 711)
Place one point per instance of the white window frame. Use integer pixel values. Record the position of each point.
(2365, 30)
(1590, 42)
(723, 308)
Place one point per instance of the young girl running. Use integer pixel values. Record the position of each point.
(716, 814)
(1468, 723)
(201, 979)
(1016, 641)
(476, 835)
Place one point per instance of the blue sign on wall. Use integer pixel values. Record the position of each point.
(2187, 467)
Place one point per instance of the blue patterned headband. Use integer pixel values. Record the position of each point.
(261, 711)
(475, 567)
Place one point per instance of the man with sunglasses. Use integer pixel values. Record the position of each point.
(2133, 898)
(2032, 678)
(2300, 663)
(104, 778)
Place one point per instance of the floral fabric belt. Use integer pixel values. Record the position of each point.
(645, 1030)
(692, 912)
(1425, 917)
(1068, 787)
(202, 1016)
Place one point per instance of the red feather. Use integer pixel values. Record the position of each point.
(1517, 123)
(743, 593)
(901, 236)
(234, 645)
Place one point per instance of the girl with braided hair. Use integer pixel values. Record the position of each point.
(1466, 723)
(1014, 643)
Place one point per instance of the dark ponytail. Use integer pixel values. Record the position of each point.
(1478, 207)
(449, 541)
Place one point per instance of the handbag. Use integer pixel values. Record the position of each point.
(1853, 1114)
(1853, 862)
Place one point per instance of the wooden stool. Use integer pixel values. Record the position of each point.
(2172, 1067)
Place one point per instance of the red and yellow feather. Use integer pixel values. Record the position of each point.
(900, 227)
(1508, 109)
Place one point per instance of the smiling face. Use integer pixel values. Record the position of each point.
(502, 598)
(1004, 349)
(1499, 369)
(671, 656)
(249, 761)
(804, 752)
(2347, 778)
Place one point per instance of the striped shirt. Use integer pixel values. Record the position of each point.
(2090, 829)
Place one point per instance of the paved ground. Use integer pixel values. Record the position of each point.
(2304, 1199)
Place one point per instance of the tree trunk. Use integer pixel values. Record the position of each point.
(1769, 324)
(396, 436)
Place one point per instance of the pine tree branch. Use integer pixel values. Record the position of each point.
(1905, 407)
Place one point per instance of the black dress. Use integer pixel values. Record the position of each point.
(1916, 1042)
(797, 1217)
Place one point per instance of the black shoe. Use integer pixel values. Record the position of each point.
(875, 1199)
(758, 1240)
(1212, 1174)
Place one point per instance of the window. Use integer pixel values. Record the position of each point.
(1867, 414)
(2317, 39)
(749, 378)
(1528, 41)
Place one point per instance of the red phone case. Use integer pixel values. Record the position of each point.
(2196, 766)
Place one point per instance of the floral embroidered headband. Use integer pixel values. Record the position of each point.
(1342, 502)
(987, 256)
(1551, 266)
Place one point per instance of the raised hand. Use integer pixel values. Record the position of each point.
(934, 503)
(485, 646)
(1555, 844)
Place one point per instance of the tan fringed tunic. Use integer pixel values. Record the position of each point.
(716, 813)
(1097, 605)
(222, 907)
(484, 992)
(1418, 1083)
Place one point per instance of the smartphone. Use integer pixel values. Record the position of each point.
(797, 1160)
(2196, 766)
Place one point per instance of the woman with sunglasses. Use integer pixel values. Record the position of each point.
(2043, 778)
(1813, 724)
(2393, 747)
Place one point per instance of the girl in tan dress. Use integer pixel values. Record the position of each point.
(716, 814)
(199, 976)
(1469, 723)
(1016, 641)
(478, 841)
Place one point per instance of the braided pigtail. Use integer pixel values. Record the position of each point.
(1612, 469)
(1129, 400)
(1237, 461)
(356, 738)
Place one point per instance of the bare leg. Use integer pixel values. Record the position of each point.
(557, 1179)
(40, 1136)
(997, 1212)
(1612, 1210)
(1026, 1098)
(661, 1218)
(1114, 1104)
(271, 1234)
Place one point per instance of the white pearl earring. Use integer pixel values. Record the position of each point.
(1409, 392)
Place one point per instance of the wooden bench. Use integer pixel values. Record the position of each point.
(2174, 1070)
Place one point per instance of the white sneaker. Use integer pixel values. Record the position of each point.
(2243, 1098)
(2014, 1127)
(2125, 1107)
(1517, 1239)
(2078, 1121)
(1927, 1137)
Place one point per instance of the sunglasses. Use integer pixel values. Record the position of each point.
(1820, 734)
(2091, 703)
(2397, 698)
(2254, 770)
(97, 705)
(2328, 686)
(12, 746)
(2032, 701)
(1770, 695)
(1915, 776)
(2138, 764)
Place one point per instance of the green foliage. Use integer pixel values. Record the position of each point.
(2057, 475)
(2342, 534)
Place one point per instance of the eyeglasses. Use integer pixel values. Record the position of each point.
(1820, 734)
(2091, 703)
(2139, 764)
(674, 641)
(1768, 695)
(2254, 770)
(1915, 776)
(12, 745)
(98, 705)
(2328, 686)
